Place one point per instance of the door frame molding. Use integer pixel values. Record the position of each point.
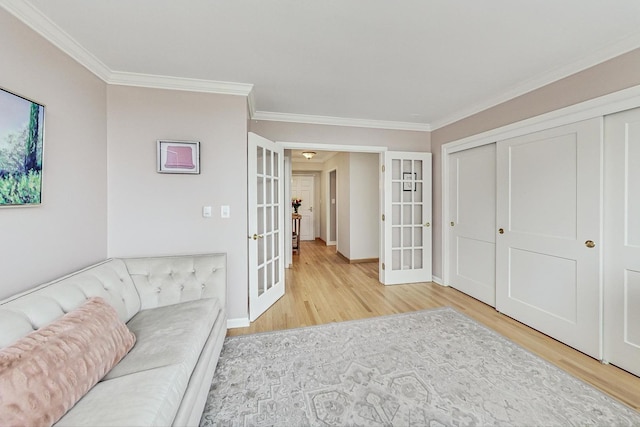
(596, 107)
(330, 242)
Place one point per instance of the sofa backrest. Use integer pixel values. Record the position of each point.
(30, 310)
(169, 280)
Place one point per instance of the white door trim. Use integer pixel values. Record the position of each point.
(601, 106)
(330, 242)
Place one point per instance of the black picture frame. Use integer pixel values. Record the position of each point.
(407, 180)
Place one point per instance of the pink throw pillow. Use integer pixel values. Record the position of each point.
(45, 373)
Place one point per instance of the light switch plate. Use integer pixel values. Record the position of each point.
(206, 211)
(225, 211)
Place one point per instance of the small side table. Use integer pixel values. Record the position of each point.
(295, 237)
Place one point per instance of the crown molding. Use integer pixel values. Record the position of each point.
(616, 49)
(179, 83)
(339, 121)
(42, 25)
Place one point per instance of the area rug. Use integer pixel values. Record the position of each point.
(426, 368)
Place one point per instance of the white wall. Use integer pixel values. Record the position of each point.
(364, 209)
(156, 214)
(69, 229)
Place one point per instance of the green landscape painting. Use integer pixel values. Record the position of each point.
(21, 141)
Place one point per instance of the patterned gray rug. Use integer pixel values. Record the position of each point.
(428, 368)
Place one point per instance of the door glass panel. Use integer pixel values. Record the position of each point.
(395, 237)
(407, 263)
(417, 214)
(395, 168)
(261, 281)
(406, 214)
(395, 214)
(269, 238)
(260, 161)
(261, 251)
(269, 220)
(417, 195)
(417, 258)
(276, 166)
(396, 261)
(276, 270)
(260, 190)
(417, 236)
(269, 275)
(407, 195)
(417, 169)
(268, 162)
(276, 246)
(406, 237)
(276, 195)
(396, 191)
(269, 190)
(407, 166)
(260, 220)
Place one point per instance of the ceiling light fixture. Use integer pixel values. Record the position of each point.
(308, 154)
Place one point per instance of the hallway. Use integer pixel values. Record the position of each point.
(321, 287)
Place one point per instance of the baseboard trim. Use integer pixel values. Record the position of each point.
(436, 279)
(357, 261)
(238, 323)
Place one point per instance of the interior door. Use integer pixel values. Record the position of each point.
(406, 221)
(302, 187)
(472, 222)
(548, 246)
(622, 246)
(265, 224)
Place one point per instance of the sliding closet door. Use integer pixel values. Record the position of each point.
(472, 222)
(622, 250)
(548, 246)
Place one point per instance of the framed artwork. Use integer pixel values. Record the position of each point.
(408, 181)
(21, 148)
(178, 156)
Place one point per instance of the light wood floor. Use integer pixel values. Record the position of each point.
(321, 288)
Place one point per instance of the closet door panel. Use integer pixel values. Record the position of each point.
(472, 222)
(622, 231)
(548, 213)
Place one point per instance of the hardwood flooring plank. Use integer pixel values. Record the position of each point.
(321, 287)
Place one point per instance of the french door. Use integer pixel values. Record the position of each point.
(472, 222)
(406, 219)
(265, 224)
(549, 239)
(622, 228)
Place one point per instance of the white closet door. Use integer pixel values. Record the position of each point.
(472, 222)
(548, 259)
(622, 246)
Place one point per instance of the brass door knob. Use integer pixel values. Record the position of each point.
(590, 244)
(453, 223)
(256, 236)
(427, 224)
(501, 230)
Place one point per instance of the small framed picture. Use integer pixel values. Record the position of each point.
(178, 156)
(408, 181)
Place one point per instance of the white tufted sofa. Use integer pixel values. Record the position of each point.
(176, 308)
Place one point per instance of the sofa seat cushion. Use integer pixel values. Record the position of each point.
(173, 334)
(147, 398)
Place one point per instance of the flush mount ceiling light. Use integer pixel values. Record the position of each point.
(308, 154)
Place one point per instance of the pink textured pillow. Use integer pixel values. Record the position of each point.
(45, 373)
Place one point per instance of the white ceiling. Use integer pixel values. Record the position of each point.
(420, 63)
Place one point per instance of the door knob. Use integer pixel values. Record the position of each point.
(501, 230)
(590, 244)
(427, 224)
(453, 223)
(256, 236)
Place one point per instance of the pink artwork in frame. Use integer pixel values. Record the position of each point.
(178, 156)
